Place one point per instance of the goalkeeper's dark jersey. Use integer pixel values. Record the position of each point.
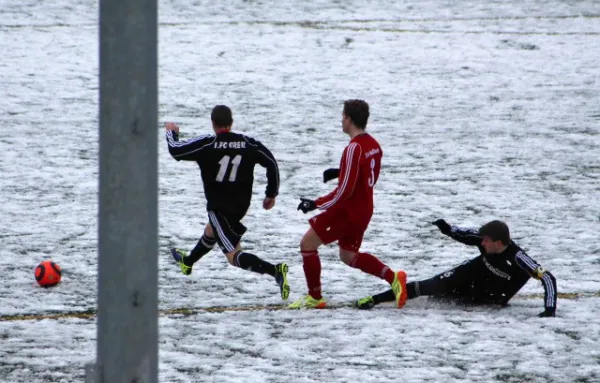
(226, 162)
(496, 278)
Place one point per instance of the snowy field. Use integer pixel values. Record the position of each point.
(485, 110)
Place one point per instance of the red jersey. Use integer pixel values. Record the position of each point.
(359, 172)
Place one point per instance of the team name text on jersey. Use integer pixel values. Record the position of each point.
(371, 152)
(230, 145)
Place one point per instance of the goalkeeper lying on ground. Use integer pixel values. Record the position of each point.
(493, 277)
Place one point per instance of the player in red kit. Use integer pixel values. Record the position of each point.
(347, 211)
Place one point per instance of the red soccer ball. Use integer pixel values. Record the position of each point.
(47, 274)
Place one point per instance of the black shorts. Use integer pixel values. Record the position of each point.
(228, 230)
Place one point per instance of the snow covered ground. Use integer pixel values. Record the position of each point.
(484, 110)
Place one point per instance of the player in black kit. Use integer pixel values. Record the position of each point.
(493, 277)
(226, 160)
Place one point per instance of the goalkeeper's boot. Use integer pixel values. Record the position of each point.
(178, 256)
(308, 302)
(366, 303)
(281, 271)
(399, 288)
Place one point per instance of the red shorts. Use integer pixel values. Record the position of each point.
(334, 226)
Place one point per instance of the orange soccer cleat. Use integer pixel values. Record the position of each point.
(399, 287)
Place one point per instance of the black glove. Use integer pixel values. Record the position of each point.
(443, 226)
(548, 312)
(307, 205)
(330, 174)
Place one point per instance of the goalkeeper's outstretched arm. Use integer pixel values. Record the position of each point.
(469, 237)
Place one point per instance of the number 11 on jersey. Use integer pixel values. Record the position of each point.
(224, 164)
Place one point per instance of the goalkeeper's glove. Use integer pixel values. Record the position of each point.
(548, 312)
(307, 205)
(330, 174)
(443, 226)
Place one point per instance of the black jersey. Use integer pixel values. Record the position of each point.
(226, 162)
(496, 278)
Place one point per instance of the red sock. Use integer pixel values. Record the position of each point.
(312, 271)
(371, 265)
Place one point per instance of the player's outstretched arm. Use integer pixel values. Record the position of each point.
(184, 150)
(545, 277)
(469, 237)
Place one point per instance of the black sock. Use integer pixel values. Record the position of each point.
(433, 286)
(204, 245)
(412, 290)
(386, 296)
(251, 262)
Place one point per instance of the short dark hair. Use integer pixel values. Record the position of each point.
(358, 112)
(221, 116)
(496, 230)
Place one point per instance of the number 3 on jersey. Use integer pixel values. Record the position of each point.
(224, 164)
(372, 177)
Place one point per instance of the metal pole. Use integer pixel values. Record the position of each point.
(127, 327)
